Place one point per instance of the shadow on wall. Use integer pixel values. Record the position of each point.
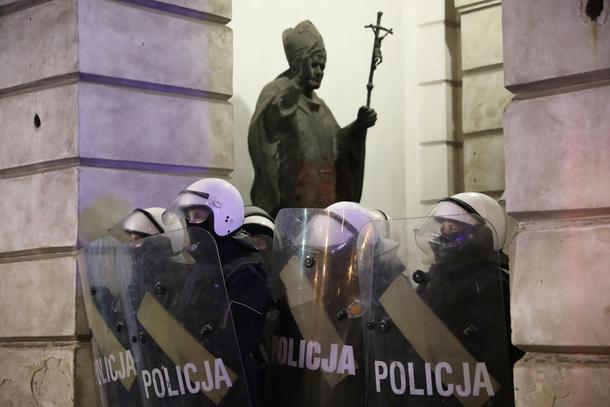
(243, 174)
(102, 214)
(106, 196)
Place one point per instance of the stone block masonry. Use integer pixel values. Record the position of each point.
(557, 133)
(105, 106)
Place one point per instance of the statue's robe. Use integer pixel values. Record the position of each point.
(301, 157)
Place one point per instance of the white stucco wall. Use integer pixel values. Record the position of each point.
(391, 166)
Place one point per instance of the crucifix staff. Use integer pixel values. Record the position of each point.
(376, 58)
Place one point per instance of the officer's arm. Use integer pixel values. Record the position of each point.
(247, 290)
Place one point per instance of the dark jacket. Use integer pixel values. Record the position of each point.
(190, 287)
(245, 279)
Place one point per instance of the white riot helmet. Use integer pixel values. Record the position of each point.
(257, 221)
(467, 211)
(484, 206)
(142, 223)
(339, 225)
(213, 203)
(259, 225)
(378, 215)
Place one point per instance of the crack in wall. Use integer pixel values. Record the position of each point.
(51, 369)
(34, 374)
(560, 398)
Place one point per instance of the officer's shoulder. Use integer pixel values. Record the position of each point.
(247, 257)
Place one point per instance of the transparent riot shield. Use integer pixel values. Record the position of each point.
(183, 341)
(435, 318)
(316, 357)
(113, 361)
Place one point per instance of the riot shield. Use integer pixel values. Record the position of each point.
(316, 356)
(436, 327)
(113, 363)
(181, 329)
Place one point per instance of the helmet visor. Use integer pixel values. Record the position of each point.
(138, 225)
(190, 206)
(447, 232)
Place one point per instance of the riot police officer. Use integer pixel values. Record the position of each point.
(259, 225)
(106, 311)
(139, 225)
(317, 353)
(216, 206)
(454, 312)
(159, 284)
(257, 221)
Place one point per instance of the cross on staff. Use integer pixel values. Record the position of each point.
(377, 58)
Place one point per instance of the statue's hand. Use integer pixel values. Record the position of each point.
(304, 71)
(366, 117)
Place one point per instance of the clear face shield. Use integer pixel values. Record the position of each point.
(328, 232)
(440, 298)
(447, 229)
(136, 227)
(189, 206)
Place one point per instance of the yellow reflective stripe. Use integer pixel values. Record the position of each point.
(177, 343)
(298, 290)
(104, 336)
(309, 312)
(430, 338)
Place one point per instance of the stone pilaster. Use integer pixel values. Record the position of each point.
(439, 88)
(557, 63)
(105, 106)
(483, 97)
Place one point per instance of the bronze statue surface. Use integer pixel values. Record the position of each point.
(301, 156)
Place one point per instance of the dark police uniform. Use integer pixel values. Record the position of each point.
(190, 288)
(464, 289)
(245, 278)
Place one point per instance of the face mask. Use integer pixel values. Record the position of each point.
(475, 241)
(137, 239)
(199, 221)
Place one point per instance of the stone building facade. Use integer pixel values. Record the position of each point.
(99, 102)
(483, 95)
(557, 136)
